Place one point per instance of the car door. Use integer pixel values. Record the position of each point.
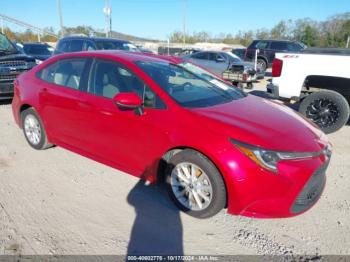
(200, 58)
(60, 99)
(116, 136)
(264, 50)
(217, 63)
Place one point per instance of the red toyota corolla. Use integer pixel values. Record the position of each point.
(155, 118)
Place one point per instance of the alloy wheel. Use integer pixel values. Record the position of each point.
(191, 186)
(323, 112)
(32, 129)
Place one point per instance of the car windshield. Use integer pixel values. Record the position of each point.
(116, 45)
(6, 45)
(36, 50)
(206, 75)
(232, 57)
(187, 88)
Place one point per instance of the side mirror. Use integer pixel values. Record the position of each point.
(220, 60)
(127, 100)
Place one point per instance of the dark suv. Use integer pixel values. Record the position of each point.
(268, 48)
(12, 63)
(71, 44)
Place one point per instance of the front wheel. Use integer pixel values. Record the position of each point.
(195, 184)
(327, 109)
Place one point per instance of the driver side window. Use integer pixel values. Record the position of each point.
(108, 78)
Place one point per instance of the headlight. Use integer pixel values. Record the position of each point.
(38, 62)
(269, 159)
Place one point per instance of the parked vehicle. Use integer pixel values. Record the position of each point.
(220, 61)
(40, 51)
(194, 69)
(268, 49)
(12, 63)
(71, 44)
(240, 52)
(156, 120)
(319, 82)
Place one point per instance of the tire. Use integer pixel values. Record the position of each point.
(209, 184)
(327, 109)
(262, 64)
(33, 130)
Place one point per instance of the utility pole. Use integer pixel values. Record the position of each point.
(347, 42)
(107, 10)
(184, 21)
(60, 17)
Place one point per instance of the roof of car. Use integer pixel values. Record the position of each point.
(125, 55)
(34, 43)
(73, 37)
(275, 40)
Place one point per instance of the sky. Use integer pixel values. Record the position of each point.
(157, 19)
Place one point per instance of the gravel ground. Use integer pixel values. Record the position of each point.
(57, 202)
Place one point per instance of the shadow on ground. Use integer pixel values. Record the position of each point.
(157, 229)
(5, 102)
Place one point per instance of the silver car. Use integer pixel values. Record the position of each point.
(220, 61)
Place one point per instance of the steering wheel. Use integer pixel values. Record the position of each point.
(187, 86)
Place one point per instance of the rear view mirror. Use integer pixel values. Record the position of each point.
(127, 100)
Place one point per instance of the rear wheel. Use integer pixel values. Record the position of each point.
(33, 130)
(262, 64)
(327, 109)
(195, 184)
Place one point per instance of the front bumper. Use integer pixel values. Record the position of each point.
(6, 90)
(256, 192)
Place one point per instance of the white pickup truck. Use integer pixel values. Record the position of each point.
(319, 81)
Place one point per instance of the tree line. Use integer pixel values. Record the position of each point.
(333, 32)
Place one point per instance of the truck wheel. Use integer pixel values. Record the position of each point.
(261, 63)
(195, 184)
(327, 109)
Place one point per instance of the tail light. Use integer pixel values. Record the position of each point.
(245, 76)
(277, 65)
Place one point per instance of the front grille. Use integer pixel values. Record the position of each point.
(311, 191)
(8, 77)
(13, 63)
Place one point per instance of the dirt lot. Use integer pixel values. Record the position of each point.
(57, 202)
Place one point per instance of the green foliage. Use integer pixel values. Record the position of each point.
(330, 33)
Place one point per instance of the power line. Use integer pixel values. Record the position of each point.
(26, 25)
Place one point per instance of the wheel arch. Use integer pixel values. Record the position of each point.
(23, 107)
(341, 85)
(264, 58)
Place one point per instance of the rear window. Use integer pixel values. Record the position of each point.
(279, 46)
(115, 45)
(76, 46)
(262, 45)
(37, 50)
(66, 72)
(201, 55)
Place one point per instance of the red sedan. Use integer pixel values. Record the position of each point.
(214, 145)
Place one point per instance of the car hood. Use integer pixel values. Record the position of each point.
(18, 56)
(41, 57)
(264, 123)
